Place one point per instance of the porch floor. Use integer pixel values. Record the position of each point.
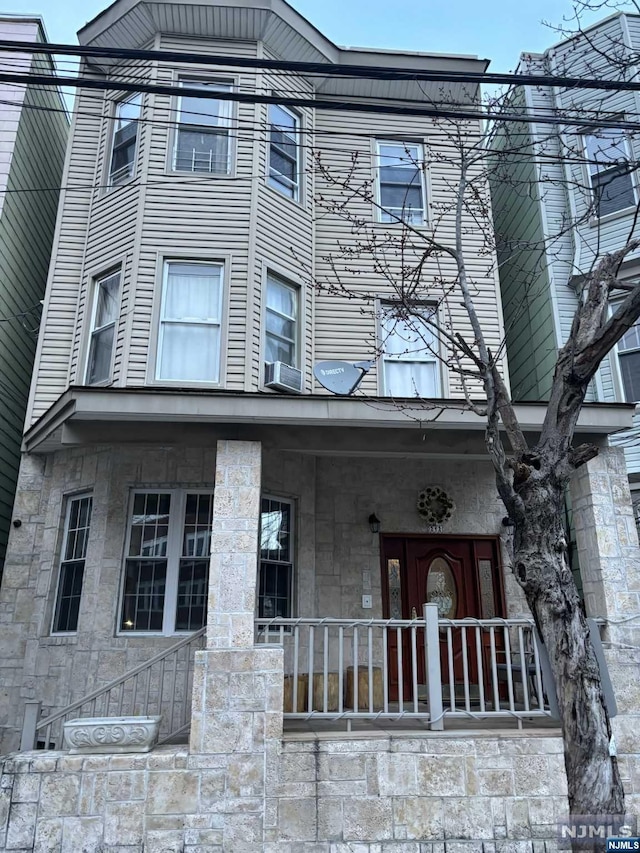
(306, 729)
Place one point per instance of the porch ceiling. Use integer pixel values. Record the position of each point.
(312, 423)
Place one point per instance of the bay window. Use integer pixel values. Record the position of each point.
(609, 170)
(103, 328)
(284, 129)
(281, 335)
(166, 571)
(202, 141)
(125, 137)
(189, 338)
(629, 361)
(72, 563)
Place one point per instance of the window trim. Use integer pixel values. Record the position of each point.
(270, 272)
(200, 77)
(155, 343)
(424, 182)
(293, 591)
(68, 499)
(595, 218)
(95, 283)
(272, 182)
(381, 306)
(174, 538)
(111, 184)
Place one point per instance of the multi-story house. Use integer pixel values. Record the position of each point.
(206, 532)
(564, 195)
(34, 129)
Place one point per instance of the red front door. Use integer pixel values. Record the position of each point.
(459, 574)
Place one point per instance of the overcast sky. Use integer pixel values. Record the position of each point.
(498, 30)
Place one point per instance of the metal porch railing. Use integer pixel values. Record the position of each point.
(159, 686)
(429, 668)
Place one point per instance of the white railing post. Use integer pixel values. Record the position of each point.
(28, 737)
(432, 664)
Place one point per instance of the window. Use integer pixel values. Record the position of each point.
(281, 322)
(275, 585)
(284, 127)
(74, 553)
(103, 326)
(629, 361)
(608, 156)
(189, 338)
(410, 354)
(125, 137)
(166, 572)
(400, 186)
(202, 137)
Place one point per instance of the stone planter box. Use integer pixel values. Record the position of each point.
(111, 734)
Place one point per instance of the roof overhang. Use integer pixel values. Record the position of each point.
(287, 34)
(109, 406)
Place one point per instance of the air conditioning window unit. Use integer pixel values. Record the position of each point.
(283, 377)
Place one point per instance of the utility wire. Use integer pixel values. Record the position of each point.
(323, 69)
(314, 103)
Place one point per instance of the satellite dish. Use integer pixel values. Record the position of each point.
(341, 377)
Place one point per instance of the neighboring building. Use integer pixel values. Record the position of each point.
(34, 130)
(172, 477)
(538, 199)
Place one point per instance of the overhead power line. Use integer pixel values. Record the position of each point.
(336, 104)
(324, 69)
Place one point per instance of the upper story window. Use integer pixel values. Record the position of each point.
(202, 141)
(275, 583)
(103, 327)
(400, 185)
(281, 336)
(189, 337)
(629, 360)
(410, 353)
(609, 171)
(125, 138)
(72, 562)
(284, 168)
(167, 564)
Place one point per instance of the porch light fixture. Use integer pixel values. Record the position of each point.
(374, 523)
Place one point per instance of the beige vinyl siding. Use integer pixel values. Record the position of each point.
(345, 328)
(284, 229)
(58, 328)
(26, 232)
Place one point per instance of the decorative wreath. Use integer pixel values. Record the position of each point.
(434, 505)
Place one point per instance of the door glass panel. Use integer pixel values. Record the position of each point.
(441, 588)
(395, 589)
(487, 598)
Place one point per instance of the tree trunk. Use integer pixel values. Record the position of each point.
(542, 569)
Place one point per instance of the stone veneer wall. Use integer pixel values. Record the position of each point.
(343, 795)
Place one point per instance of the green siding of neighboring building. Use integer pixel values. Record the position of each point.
(26, 233)
(524, 280)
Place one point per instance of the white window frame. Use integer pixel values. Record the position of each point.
(292, 554)
(279, 184)
(380, 208)
(162, 321)
(619, 355)
(95, 330)
(114, 178)
(422, 358)
(270, 274)
(588, 132)
(226, 120)
(177, 506)
(69, 500)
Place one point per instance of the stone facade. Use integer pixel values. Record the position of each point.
(375, 795)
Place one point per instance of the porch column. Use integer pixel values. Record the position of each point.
(609, 559)
(236, 723)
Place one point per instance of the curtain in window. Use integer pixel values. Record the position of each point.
(190, 326)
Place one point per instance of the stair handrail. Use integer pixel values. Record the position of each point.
(47, 721)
